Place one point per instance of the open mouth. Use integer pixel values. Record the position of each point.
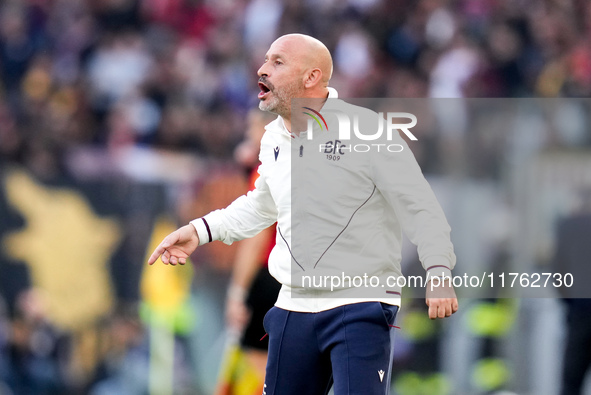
(264, 90)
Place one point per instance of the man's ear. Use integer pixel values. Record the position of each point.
(312, 78)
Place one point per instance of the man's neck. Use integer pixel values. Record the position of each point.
(314, 103)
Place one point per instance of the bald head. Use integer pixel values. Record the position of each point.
(296, 66)
(311, 52)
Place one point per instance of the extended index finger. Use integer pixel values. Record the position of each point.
(167, 242)
(156, 254)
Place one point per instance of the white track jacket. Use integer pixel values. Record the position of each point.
(346, 220)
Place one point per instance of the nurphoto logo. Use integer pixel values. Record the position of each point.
(344, 122)
(369, 129)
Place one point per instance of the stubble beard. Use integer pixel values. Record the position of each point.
(280, 102)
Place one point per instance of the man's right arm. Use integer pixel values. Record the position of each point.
(243, 218)
(176, 247)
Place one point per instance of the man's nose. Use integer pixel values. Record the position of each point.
(263, 70)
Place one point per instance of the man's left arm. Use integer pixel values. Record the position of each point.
(400, 180)
(441, 298)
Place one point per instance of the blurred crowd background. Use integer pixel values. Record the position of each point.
(119, 120)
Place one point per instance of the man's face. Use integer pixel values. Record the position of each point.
(280, 79)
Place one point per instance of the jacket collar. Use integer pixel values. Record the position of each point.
(279, 126)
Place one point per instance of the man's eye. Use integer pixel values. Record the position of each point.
(278, 63)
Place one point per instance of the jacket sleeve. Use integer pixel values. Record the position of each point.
(243, 218)
(399, 178)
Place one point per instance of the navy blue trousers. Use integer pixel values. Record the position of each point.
(349, 346)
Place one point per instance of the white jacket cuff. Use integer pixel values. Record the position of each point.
(437, 266)
(203, 230)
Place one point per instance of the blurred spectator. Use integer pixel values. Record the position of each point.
(16, 45)
(252, 290)
(36, 350)
(125, 366)
(572, 256)
(4, 333)
(117, 68)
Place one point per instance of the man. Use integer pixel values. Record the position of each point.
(572, 256)
(316, 340)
